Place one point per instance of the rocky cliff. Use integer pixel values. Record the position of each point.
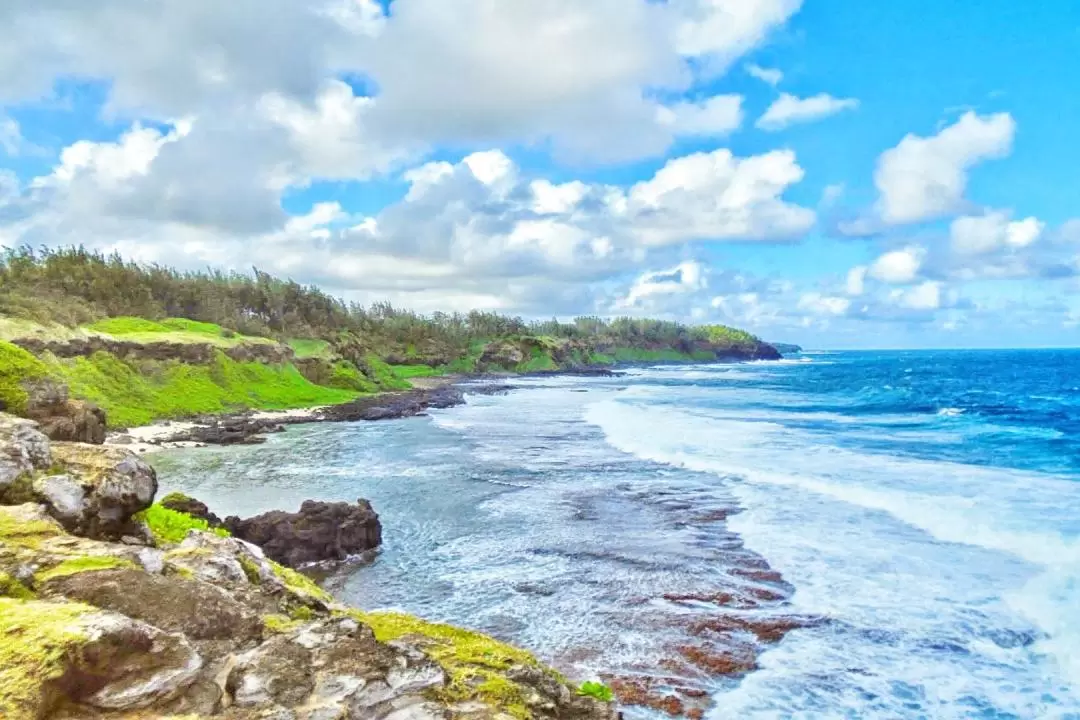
(111, 607)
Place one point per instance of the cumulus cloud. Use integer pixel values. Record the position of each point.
(580, 76)
(719, 196)
(772, 76)
(979, 234)
(478, 224)
(789, 110)
(717, 115)
(686, 277)
(925, 177)
(11, 139)
(898, 266)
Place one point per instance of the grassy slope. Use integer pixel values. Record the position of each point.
(136, 393)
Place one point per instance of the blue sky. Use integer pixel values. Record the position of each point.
(825, 172)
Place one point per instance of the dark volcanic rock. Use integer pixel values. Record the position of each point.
(320, 531)
(390, 406)
(189, 505)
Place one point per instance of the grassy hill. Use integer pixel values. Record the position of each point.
(147, 342)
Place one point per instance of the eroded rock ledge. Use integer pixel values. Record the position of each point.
(158, 623)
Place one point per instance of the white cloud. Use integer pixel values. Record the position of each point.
(11, 139)
(980, 234)
(719, 196)
(898, 266)
(473, 228)
(717, 115)
(579, 77)
(818, 304)
(772, 76)
(721, 30)
(789, 110)
(922, 178)
(855, 283)
(686, 277)
(924, 296)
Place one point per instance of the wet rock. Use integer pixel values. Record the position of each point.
(391, 406)
(320, 531)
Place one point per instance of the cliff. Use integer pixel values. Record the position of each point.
(111, 607)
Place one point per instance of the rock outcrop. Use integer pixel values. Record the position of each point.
(195, 353)
(210, 627)
(62, 418)
(321, 531)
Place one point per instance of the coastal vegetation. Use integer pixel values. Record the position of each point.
(146, 342)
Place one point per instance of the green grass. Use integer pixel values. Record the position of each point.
(171, 527)
(383, 375)
(139, 392)
(173, 330)
(16, 367)
(86, 563)
(405, 372)
(540, 360)
(309, 348)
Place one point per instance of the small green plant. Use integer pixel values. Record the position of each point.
(16, 367)
(171, 527)
(597, 690)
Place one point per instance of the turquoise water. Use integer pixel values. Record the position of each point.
(926, 504)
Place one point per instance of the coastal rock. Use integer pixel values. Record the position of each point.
(23, 450)
(69, 652)
(389, 406)
(99, 490)
(62, 418)
(319, 531)
(190, 506)
(502, 354)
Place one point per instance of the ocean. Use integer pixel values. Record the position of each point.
(909, 519)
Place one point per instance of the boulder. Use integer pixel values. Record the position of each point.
(320, 531)
(62, 418)
(98, 491)
(199, 610)
(67, 652)
(24, 449)
(190, 506)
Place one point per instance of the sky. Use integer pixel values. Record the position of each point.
(825, 172)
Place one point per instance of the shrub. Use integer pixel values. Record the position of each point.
(597, 690)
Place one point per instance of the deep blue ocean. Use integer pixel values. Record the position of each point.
(926, 504)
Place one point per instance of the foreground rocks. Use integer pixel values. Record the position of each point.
(321, 531)
(210, 627)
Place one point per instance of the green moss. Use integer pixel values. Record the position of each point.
(345, 376)
(302, 613)
(12, 588)
(175, 497)
(137, 393)
(251, 569)
(87, 563)
(25, 534)
(598, 358)
(300, 584)
(17, 367)
(126, 326)
(35, 639)
(280, 624)
(170, 527)
(475, 664)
